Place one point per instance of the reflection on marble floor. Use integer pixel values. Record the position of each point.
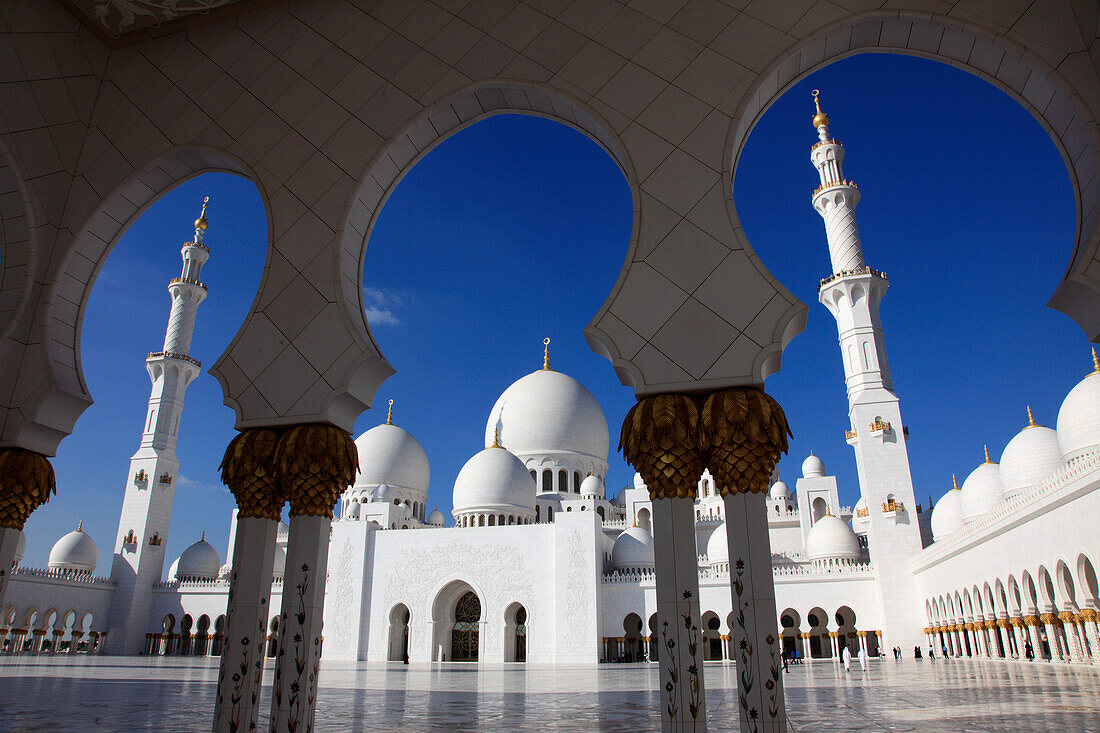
(140, 693)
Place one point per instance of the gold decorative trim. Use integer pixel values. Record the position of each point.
(744, 431)
(316, 463)
(248, 469)
(26, 483)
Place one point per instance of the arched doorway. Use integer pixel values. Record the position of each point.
(464, 632)
(399, 634)
(515, 633)
(789, 632)
(632, 645)
(820, 646)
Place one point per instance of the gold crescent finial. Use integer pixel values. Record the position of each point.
(546, 354)
(200, 223)
(986, 447)
(496, 438)
(954, 483)
(389, 415)
(80, 526)
(820, 118)
(1030, 418)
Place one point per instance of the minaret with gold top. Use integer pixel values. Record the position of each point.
(154, 468)
(852, 293)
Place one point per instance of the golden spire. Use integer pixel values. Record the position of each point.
(820, 118)
(80, 526)
(1030, 418)
(954, 483)
(1095, 362)
(389, 415)
(203, 538)
(986, 447)
(546, 354)
(496, 439)
(200, 223)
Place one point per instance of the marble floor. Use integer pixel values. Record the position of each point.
(176, 694)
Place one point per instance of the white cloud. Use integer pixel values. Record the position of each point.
(378, 307)
(185, 482)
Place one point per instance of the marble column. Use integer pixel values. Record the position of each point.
(676, 563)
(1031, 624)
(1020, 637)
(660, 437)
(1053, 642)
(1072, 640)
(755, 629)
(248, 469)
(26, 482)
(862, 640)
(1088, 619)
(314, 464)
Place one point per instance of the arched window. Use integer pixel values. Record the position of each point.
(549, 514)
(537, 512)
(599, 510)
(576, 480)
(534, 475)
(548, 480)
(464, 641)
(563, 481)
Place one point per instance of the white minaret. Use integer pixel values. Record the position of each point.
(852, 294)
(151, 483)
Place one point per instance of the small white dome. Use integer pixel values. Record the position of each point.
(639, 482)
(547, 411)
(200, 561)
(633, 550)
(982, 492)
(858, 521)
(779, 491)
(831, 538)
(494, 480)
(947, 515)
(384, 493)
(1079, 418)
(21, 547)
(592, 485)
(75, 551)
(279, 566)
(718, 549)
(812, 467)
(436, 518)
(351, 509)
(389, 454)
(1032, 455)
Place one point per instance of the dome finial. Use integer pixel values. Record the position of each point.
(954, 483)
(200, 223)
(820, 119)
(496, 439)
(1030, 418)
(986, 447)
(1095, 362)
(546, 354)
(80, 526)
(389, 415)
(203, 538)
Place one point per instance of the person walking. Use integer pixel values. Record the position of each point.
(784, 657)
(862, 656)
(1029, 653)
(916, 652)
(931, 652)
(847, 657)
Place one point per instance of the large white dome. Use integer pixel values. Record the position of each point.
(718, 549)
(831, 538)
(200, 561)
(494, 481)
(1079, 418)
(75, 551)
(813, 467)
(1028, 458)
(592, 486)
(548, 411)
(389, 454)
(947, 515)
(633, 550)
(982, 492)
(779, 491)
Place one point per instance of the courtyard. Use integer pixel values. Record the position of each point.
(59, 693)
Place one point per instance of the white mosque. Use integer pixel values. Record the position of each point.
(541, 564)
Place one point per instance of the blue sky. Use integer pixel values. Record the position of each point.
(515, 229)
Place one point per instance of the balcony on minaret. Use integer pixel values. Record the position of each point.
(853, 273)
(154, 355)
(188, 281)
(892, 509)
(141, 479)
(880, 428)
(851, 437)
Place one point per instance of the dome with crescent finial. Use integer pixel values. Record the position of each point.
(1079, 416)
(76, 551)
(633, 550)
(813, 467)
(200, 561)
(947, 514)
(832, 539)
(820, 118)
(390, 455)
(494, 481)
(549, 412)
(1032, 455)
(982, 491)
